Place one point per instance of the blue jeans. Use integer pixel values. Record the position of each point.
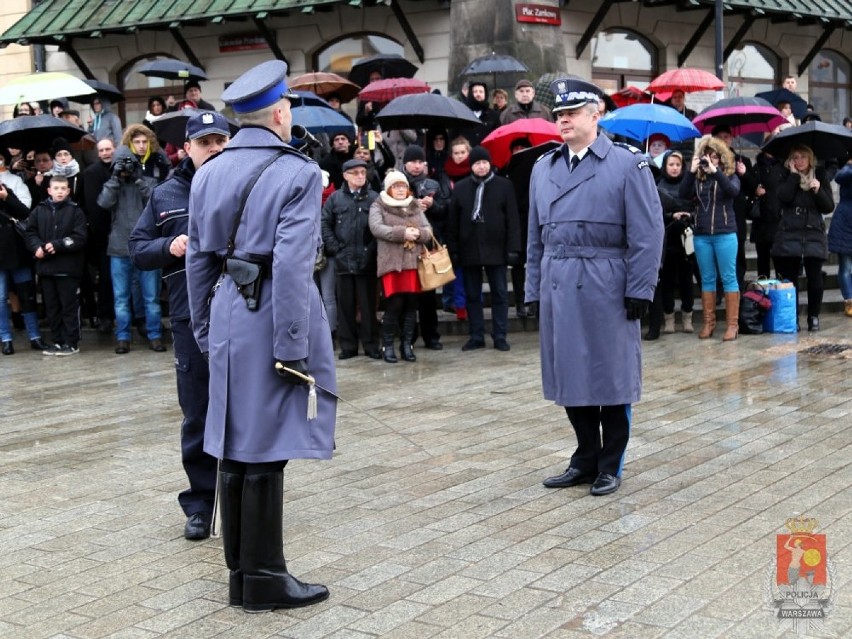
(18, 276)
(844, 275)
(717, 250)
(122, 278)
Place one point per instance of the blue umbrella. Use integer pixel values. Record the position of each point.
(797, 102)
(309, 99)
(641, 121)
(320, 120)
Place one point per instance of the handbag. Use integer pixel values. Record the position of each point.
(20, 227)
(754, 209)
(434, 268)
(754, 305)
(781, 317)
(686, 238)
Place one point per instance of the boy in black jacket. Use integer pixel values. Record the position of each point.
(56, 234)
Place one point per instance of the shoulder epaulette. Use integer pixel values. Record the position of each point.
(629, 147)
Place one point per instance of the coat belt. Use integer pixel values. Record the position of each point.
(562, 252)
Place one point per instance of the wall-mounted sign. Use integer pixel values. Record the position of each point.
(538, 13)
(241, 43)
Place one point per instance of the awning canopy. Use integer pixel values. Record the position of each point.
(54, 21)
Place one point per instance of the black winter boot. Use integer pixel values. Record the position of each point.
(409, 325)
(266, 583)
(389, 322)
(230, 505)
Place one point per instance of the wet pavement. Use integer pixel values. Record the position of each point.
(431, 520)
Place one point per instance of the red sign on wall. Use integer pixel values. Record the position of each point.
(241, 43)
(538, 13)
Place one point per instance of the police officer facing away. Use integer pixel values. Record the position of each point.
(159, 242)
(593, 252)
(254, 235)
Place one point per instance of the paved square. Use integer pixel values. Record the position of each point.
(432, 522)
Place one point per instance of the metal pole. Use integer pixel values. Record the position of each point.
(719, 39)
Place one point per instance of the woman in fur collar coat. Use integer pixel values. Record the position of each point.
(712, 185)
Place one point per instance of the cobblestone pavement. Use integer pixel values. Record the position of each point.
(434, 523)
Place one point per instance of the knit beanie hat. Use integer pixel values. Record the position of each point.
(61, 144)
(478, 153)
(413, 152)
(393, 177)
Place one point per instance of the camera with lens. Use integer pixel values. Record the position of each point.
(703, 163)
(126, 164)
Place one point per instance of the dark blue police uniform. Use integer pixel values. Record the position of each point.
(166, 217)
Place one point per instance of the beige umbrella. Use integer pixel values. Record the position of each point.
(42, 86)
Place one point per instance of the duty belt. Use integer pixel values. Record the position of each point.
(562, 252)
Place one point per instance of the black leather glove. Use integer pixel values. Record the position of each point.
(299, 365)
(636, 308)
(513, 258)
(117, 169)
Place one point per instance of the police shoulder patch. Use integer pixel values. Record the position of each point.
(643, 165)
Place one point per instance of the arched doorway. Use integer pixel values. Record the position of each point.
(621, 58)
(338, 55)
(753, 68)
(830, 86)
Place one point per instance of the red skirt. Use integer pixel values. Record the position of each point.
(401, 282)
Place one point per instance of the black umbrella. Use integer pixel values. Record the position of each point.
(103, 90)
(390, 65)
(171, 127)
(797, 102)
(827, 141)
(494, 63)
(172, 70)
(425, 111)
(519, 169)
(37, 132)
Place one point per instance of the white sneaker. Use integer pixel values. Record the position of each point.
(67, 349)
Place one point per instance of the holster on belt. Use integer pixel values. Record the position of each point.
(248, 277)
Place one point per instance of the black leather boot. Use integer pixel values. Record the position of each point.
(266, 583)
(230, 506)
(389, 323)
(409, 325)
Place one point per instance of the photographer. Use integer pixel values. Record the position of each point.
(125, 195)
(712, 185)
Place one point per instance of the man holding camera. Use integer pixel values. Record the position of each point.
(125, 195)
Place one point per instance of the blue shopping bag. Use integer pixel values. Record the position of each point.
(781, 318)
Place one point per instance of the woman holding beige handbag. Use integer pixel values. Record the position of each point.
(401, 230)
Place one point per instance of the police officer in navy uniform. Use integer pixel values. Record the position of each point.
(593, 252)
(254, 237)
(159, 242)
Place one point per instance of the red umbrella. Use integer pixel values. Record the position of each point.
(630, 95)
(687, 80)
(324, 84)
(387, 90)
(536, 130)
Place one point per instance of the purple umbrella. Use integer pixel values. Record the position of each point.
(744, 115)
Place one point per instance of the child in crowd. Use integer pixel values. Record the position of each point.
(56, 235)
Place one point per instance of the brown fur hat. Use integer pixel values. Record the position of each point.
(709, 143)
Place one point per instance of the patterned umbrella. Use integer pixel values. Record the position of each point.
(543, 93)
(324, 84)
(387, 90)
(743, 114)
(687, 80)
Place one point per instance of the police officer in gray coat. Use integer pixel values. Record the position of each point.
(257, 313)
(593, 253)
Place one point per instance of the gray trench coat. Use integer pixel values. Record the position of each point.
(253, 415)
(595, 237)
